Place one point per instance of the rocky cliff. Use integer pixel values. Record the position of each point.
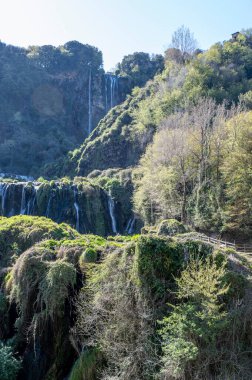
(52, 98)
(90, 206)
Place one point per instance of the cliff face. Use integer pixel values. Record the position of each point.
(51, 99)
(119, 140)
(86, 206)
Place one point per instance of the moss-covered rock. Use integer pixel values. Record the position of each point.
(171, 227)
(86, 366)
(90, 255)
(18, 233)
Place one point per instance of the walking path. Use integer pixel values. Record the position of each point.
(245, 249)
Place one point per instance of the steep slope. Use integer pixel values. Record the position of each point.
(122, 323)
(224, 72)
(89, 205)
(52, 98)
(45, 94)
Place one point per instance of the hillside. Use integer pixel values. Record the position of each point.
(134, 295)
(223, 73)
(52, 98)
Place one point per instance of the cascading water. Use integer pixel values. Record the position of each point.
(111, 206)
(106, 93)
(77, 208)
(111, 91)
(23, 207)
(4, 190)
(32, 201)
(82, 208)
(90, 102)
(48, 207)
(131, 225)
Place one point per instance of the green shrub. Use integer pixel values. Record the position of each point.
(90, 255)
(192, 328)
(9, 365)
(171, 227)
(19, 233)
(237, 285)
(157, 260)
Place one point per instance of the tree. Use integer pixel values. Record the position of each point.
(179, 175)
(193, 328)
(237, 172)
(184, 40)
(164, 172)
(140, 67)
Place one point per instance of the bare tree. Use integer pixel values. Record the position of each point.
(183, 39)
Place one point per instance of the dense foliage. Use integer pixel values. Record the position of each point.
(138, 68)
(222, 73)
(198, 169)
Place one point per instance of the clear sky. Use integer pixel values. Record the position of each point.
(120, 27)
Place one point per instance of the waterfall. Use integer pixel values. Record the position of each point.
(111, 91)
(111, 206)
(4, 191)
(77, 208)
(23, 205)
(61, 202)
(113, 82)
(130, 225)
(90, 102)
(48, 205)
(106, 93)
(32, 201)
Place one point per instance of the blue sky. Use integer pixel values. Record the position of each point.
(120, 27)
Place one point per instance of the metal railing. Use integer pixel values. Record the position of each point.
(244, 248)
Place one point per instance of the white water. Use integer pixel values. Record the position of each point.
(130, 225)
(111, 89)
(20, 198)
(113, 81)
(106, 93)
(90, 102)
(4, 190)
(111, 206)
(23, 204)
(48, 205)
(77, 209)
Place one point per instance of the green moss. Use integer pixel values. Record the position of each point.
(157, 260)
(86, 366)
(122, 238)
(171, 227)
(40, 285)
(90, 255)
(18, 233)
